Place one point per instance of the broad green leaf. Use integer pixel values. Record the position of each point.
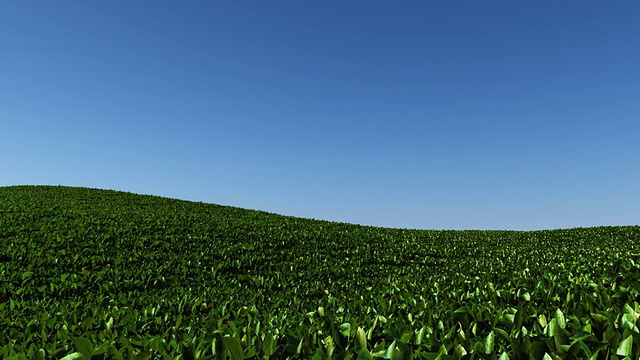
(83, 346)
(459, 351)
(364, 354)
(390, 351)
(345, 329)
(328, 343)
(233, 345)
(420, 336)
(73, 356)
(361, 337)
(251, 352)
(268, 345)
(370, 331)
(542, 320)
(518, 319)
(559, 316)
(628, 322)
(488, 343)
(299, 348)
(109, 323)
(551, 327)
(503, 334)
(561, 339)
(87, 323)
(625, 346)
(406, 337)
(463, 310)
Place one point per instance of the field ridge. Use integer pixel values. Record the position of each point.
(111, 274)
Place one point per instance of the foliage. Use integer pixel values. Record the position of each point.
(88, 273)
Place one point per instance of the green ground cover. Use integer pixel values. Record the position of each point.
(88, 273)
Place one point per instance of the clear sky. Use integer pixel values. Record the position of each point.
(417, 114)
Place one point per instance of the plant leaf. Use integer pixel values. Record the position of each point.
(624, 349)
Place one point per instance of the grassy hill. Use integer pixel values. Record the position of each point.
(107, 274)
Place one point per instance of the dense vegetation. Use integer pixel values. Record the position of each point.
(88, 273)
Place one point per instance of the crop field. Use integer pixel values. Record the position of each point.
(100, 274)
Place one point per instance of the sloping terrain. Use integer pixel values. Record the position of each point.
(107, 274)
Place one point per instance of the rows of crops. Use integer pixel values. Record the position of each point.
(88, 273)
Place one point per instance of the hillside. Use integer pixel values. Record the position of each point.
(102, 273)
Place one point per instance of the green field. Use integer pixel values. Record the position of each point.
(88, 273)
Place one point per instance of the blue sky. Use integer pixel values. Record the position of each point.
(417, 114)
